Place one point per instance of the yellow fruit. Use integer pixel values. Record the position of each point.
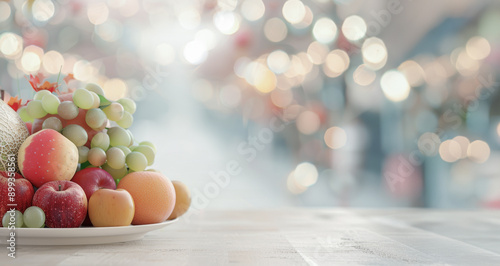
(182, 199)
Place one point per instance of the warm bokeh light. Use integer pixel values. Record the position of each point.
(466, 65)
(275, 30)
(43, 10)
(11, 44)
(464, 145)
(109, 31)
(5, 11)
(294, 11)
(253, 10)
(364, 76)
(325, 30)
(282, 98)
(478, 48)
(374, 53)
(293, 186)
(479, 151)
(195, 52)
(278, 61)
(97, 13)
(354, 28)
(335, 137)
(337, 61)
(115, 89)
(308, 122)
(53, 62)
(413, 72)
(395, 86)
(317, 52)
(306, 21)
(227, 22)
(305, 174)
(450, 151)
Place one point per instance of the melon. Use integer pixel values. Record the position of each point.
(13, 132)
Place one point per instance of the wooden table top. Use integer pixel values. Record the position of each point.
(297, 237)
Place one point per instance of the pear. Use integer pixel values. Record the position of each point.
(13, 132)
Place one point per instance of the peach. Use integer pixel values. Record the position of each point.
(108, 207)
(47, 156)
(78, 120)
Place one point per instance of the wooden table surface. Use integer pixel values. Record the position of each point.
(297, 237)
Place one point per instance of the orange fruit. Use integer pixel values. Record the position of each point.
(153, 195)
(182, 199)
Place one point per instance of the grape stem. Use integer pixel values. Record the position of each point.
(59, 187)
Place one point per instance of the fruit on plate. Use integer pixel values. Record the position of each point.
(12, 218)
(34, 217)
(47, 156)
(153, 194)
(69, 114)
(182, 199)
(93, 179)
(13, 132)
(109, 207)
(63, 202)
(21, 193)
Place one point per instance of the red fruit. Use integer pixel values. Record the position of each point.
(64, 204)
(47, 156)
(22, 196)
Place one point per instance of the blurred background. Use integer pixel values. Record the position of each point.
(274, 103)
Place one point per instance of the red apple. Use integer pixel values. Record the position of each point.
(64, 203)
(93, 179)
(22, 194)
(47, 156)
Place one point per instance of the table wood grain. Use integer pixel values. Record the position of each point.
(297, 237)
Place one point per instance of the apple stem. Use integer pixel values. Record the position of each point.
(59, 187)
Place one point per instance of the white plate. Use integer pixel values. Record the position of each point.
(79, 236)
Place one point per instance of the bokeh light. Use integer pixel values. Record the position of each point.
(115, 89)
(374, 53)
(325, 30)
(395, 86)
(294, 11)
(450, 151)
(278, 61)
(354, 28)
(227, 22)
(253, 10)
(335, 137)
(11, 44)
(413, 72)
(478, 48)
(337, 61)
(53, 62)
(5, 11)
(43, 10)
(275, 30)
(97, 13)
(308, 122)
(479, 151)
(364, 76)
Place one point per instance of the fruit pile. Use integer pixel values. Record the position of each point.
(79, 164)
